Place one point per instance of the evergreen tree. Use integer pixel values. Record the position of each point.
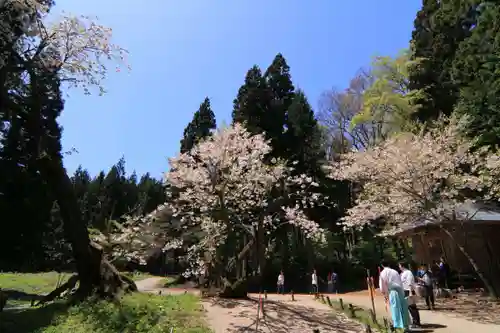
(281, 93)
(440, 27)
(252, 102)
(476, 69)
(200, 127)
(303, 135)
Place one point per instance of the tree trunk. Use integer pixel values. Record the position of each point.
(487, 283)
(95, 273)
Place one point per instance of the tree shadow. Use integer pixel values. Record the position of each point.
(471, 306)
(282, 317)
(21, 295)
(230, 303)
(29, 319)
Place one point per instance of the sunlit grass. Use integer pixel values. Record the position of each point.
(136, 313)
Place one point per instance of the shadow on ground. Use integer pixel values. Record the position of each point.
(21, 295)
(29, 319)
(471, 307)
(284, 316)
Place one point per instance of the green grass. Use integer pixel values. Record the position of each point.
(43, 283)
(136, 313)
(36, 283)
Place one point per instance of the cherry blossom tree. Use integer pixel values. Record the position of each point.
(235, 201)
(424, 178)
(75, 51)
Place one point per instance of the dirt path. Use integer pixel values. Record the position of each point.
(282, 315)
(433, 321)
(154, 285)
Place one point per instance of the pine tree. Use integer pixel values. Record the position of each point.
(200, 127)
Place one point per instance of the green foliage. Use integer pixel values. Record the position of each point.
(303, 135)
(476, 69)
(251, 103)
(388, 102)
(440, 27)
(136, 313)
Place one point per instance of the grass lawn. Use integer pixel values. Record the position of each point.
(36, 283)
(30, 285)
(42, 283)
(136, 313)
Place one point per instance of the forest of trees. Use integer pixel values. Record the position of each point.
(450, 69)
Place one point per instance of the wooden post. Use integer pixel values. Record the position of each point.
(262, 306)
(352, 312)
(265, 294)
(372, 316)
(323, 298)
(328, 301)
(368, 329)
(293, 296)
(371, 291)
(341, 304)
(388, 326)
(159, 292)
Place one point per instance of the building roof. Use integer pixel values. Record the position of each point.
(467, 212)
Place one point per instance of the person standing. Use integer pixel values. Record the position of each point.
(314, 282)
(413, 309)
(427, 282)
(391, 286)
(281, 283)
(444, 274)
(334, 282)
(408, 281)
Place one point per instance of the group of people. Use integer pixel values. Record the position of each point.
(399, 290)
(332, 282)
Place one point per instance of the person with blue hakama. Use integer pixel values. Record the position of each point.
(391, 287)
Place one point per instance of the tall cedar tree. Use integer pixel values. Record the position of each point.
(476, 69)
(252, 102)
(440, 26)
(263, 100)
(200, 127)
(303, 136)
(281, 93)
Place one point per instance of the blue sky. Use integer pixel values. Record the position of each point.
(182, 51)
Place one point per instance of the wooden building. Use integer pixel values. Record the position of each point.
(460, 242)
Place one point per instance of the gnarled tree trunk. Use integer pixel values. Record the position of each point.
(95, 274)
